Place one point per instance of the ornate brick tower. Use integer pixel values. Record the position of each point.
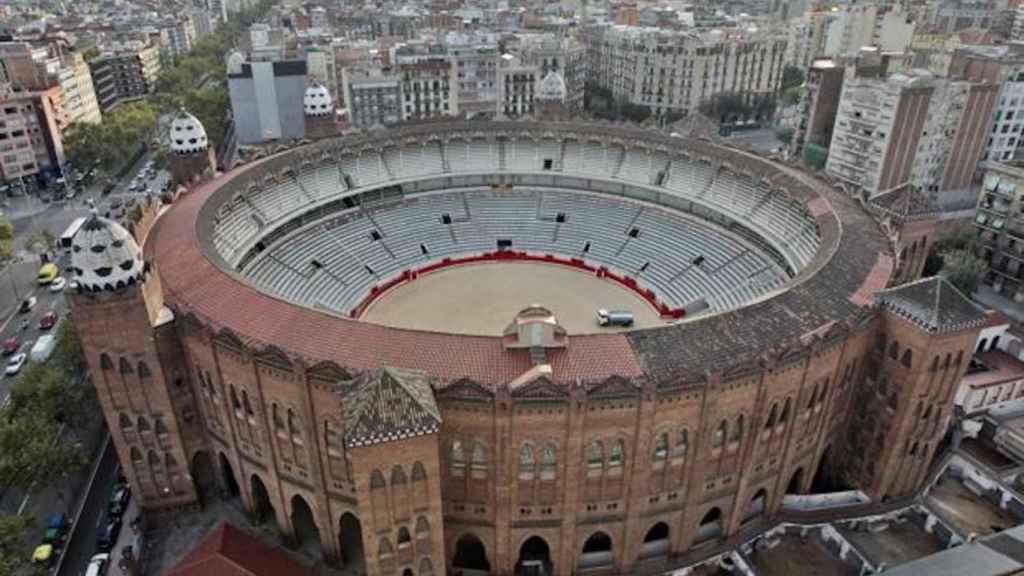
(318, 108)
(392, 426)
(136, 363)
(191, 159)
(923, 347)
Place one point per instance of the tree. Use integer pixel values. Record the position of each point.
(963, 269)
(792, 76)
(815, 156)
(13, 557)
(40, 241)
(793, 95)
(30, 455)
(91, 53)
(726, 107)
(6, 241)
(785, 135)
(107, 144)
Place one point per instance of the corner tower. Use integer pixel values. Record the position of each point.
(191, 159)
(135, 362)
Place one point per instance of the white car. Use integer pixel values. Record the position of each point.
(58, 284)
(98, 565)
(15, 363)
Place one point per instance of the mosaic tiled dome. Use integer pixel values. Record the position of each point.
(187, 134)
(317, 101)
(104, 256)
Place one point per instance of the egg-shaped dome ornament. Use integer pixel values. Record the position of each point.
(105, 256)
(187, 134)
(317, 101)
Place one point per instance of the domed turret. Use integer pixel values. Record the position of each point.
(235, 61)
(552, 88)
(317, 101)
(104, 256)
(187, 134)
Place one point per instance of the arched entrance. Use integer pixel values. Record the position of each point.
(262, 508)
(795, 482)
(534, 558)
(656, 542)
(350, 542)
(471, 556)
(230, 485)
(597, 552)
(825, 479)
(710, 526)
(305, 531)
(203, 475)
(757, 504)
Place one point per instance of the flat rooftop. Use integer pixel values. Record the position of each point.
(900, 543)
(985, 452)
(966, 511)
(1000, 367)
(799, 555)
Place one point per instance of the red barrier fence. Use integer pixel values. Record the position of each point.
(647, 294)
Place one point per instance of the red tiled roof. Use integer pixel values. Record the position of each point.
(192, 283)
(876, 280)
(228, 551)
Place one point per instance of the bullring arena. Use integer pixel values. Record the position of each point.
(389, 340)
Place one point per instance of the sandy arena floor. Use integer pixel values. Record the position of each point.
(483, 298)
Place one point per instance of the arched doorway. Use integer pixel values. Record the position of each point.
(305, 531)
(230, 485)
(757, 504)
(471, 556)
(262, 508)
(350, 542)
(795, 482)
(710, 526)
(825, 479)
(656, 542)
(203, 475)
(534, 558)
(407, 572)
(597, 551)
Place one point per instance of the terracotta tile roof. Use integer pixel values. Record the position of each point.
(934, 304)
(389, 404)
(228, 551)
(193, 284)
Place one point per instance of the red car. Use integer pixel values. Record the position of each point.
(48, 321)
(11, 345)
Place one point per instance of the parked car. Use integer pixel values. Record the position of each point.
(98, 565)
(43, 556)
(42, 349)
(119, 498)
(15, 363)
(115, 203)
(11, 345)
(107, 532)
(58, 284)
(27, 305)
(49, 320)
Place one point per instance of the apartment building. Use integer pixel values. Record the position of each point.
(29, 67)
(517, 87)
(373, 95)
(818, 105)
(266, 98)
(911, 129)
(30, 139)
(321, 67)
(125, 72)
(1003, 65)
(476, 72)
(675, 71)
(566, 56)
(999, 221)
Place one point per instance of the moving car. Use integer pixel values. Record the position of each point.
(107, 532)
(98, 565)
(11, 345)
(15, 363)
(48, 321)
(621, 318)
(48, 273)
(27, 304)
(58, 284)
(43, 555)
(42, 349)
(56, 529)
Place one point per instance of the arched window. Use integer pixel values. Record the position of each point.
(170, 463)
(159, 427)
(549, 462)
(278, 422)
(404, 538)
(125, 366)
(397, 476)
(419, 473)
(935, 363)
(737, 430)
(894, 350)
(426, 569)
(377, 480)
(927, 412)
(527, 461)
(913, 449)
(154, 460)
(456, 459)
(682, 444)
(773, 415)
(908, 358)
(237, 406)
(718, 438)
(661, 447)
(384, 549)
(143, 424)
(618, 454)
(126, 422)
(813, 398)
(136, 455)
(595, 454)
(824, 392)
(144, 370)
(422, 527)
(478, 459)
(246, 404)
(105, 363)
(785, 411)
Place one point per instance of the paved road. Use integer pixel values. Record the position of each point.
(82, 546)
